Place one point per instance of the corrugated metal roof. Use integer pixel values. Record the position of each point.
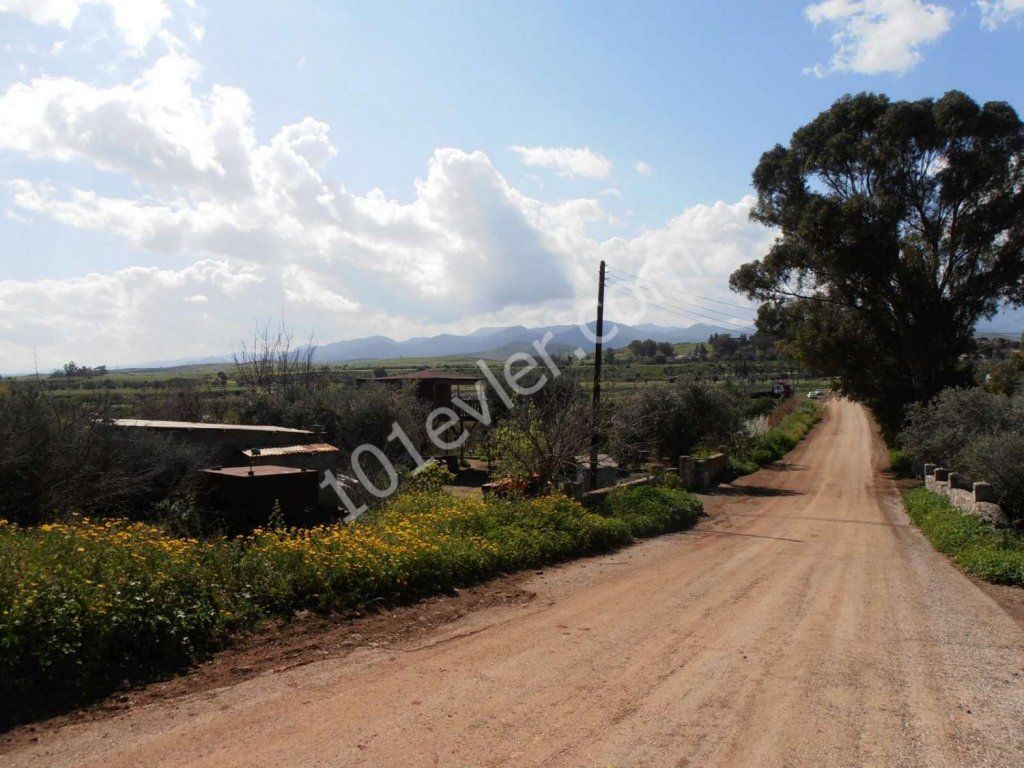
(186, 425)
(292, 450)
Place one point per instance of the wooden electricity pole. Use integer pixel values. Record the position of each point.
(599, 334)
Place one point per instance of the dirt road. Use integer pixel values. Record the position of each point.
(806, 623)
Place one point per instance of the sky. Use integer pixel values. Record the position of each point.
(174, 173)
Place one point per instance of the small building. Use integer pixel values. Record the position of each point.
(435, 386)
(247, 495)
(320, 457)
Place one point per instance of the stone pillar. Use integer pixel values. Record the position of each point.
(941, 474)
(686, 472)
(700, 471)
(929, 470)
(954, 479)
(984, 492)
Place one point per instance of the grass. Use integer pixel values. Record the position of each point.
(779, 440)
(990, 554)
(87, 605)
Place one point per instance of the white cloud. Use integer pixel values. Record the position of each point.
(875, 36)
(695, 252)
(644, 169)
(568, 161)
(304, 287)
(995, 13)
(125, 315)
(153, 129)
(137, 21)
(247, 230)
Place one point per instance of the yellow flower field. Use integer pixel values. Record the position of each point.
(87, 604)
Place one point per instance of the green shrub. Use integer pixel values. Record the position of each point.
(994, 555)
(901, 462)
(86, 605)
(999, 460)
(778, 441)
(650, 510)
(431, 478)
(674, 420)
(939, 430)
(978, 433)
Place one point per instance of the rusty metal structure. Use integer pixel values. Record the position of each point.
(433, 386)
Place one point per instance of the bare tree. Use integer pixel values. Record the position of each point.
(272, 365)
(546, 436)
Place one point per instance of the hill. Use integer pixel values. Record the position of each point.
(500, 342)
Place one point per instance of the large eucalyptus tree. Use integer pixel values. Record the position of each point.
(901, 225)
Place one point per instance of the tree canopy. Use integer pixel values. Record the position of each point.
(901, 224)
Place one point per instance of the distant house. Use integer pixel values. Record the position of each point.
(435, 386)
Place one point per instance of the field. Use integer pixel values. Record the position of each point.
(130, 392)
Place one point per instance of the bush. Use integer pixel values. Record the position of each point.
(901, 462)
(57, 454)
(348, 415)
(772, 445)
(994, 555)
(938, 431)
(999, 460)
(671, 421)
(432, 477)
(978, 433)
(543, 435)
(86, 605)
(650, 510)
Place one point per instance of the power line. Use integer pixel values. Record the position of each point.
(679, 311)
(657, 300)
(651, 295)
(674, 289)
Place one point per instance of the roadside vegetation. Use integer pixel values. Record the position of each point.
(761, 448)
(86, 605)
(990, 554)
(977, 433)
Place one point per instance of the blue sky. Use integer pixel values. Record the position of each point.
(173, 172)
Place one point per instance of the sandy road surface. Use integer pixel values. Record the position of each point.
(806, 624)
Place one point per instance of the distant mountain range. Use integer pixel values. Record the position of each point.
(497, 343)
(487, 343)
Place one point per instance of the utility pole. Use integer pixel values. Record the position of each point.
(599, 334)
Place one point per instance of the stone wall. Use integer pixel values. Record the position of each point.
(701, 473)
(978, 500)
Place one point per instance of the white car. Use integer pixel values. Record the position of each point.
(815, 394)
